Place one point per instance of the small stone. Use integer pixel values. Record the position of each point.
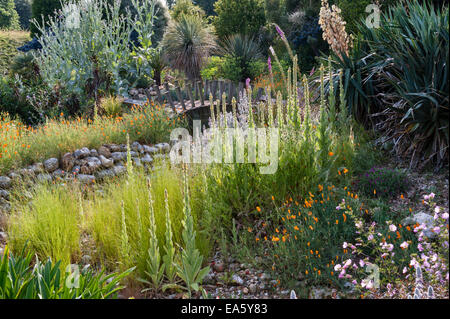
(253, 288)
(67, 162)
(245, 291)
(37, 168)
(26, 172)
(82, 153)
(106, 173)
(15, 177)
(114, 148)
(58, 173)
(44, 177)
(93, 163)
(106, 162)
(147, 159)
(104, 151)
(119, 170)
(86, 179)
(219, 266)
(4, 194)
(93, 153)
(51, 165)
(237, 280)
(135, 146)
(150, 149)
(119, 156)
(5, 182)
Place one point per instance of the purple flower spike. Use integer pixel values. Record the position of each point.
(280, 32)
(269, 63)
(247, 83)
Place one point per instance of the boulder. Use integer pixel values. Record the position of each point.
(82, 153)
(93, 153)
(93, 163)
(135, 146)
(119, 156)
(67, 162)
(86, 179)
(106, 173)
(119, 170)
(51, 165)
(5, 182)
(114, 148)
(106, 162)
(4, 194)
(103, 150)
(37, 168)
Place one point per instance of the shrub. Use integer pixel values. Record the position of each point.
(98, 69)
(296, 240)
(9, 19)
(23, 8)
(186, 7)
(238, 16)
(112, 106)
(239, 52)
(19, 279)
(382, 182)
(213, 68)
(187, 44)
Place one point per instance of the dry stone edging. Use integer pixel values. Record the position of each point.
(84, 164)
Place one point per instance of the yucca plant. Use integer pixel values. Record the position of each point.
(187, 43)
(243, 49)
(412, 48)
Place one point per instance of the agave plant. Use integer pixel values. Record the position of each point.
(187, 44)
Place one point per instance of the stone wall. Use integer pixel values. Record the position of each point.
(85, 165)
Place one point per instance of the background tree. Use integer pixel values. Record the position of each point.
(275, 11)
(238, 16)
(161, 20)
(23, 8)
(9, 19)
(207, 6)
(43, 9)
(187, 44)
(185, 7)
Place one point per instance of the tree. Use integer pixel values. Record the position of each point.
(185, 7)
(23, 8)
(207, 6)
(42, 10)
(161, 21)
(9, 19)
(238, 16)
(187, 44)
(275, 11)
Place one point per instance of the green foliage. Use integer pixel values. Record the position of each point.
(207, 6)
(295, 242)
(19, 279)
(213, 68)
(161, 20)
(9, 19)
(111, 106)
(42, 11)
(353, 11)
(239, 52)
(23, 8)
(9, 41)
(383, 182)
(158, 65)
(12, 102)
(238, 16)
(190, 268)
(186, 7)
(49, 225)
(94, 59)
(187, 44)
(275, 11)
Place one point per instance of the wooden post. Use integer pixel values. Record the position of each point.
(213, 89)
(230, 91)
(158, 94)
(240, 89)
(200, 88)
(207, 89)
(221, 89)
(169, 97)
(179, 95)
(191, 97)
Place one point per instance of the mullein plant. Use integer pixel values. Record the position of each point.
(190, 267)
(155, 268)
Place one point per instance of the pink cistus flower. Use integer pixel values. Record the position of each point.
(280, 32)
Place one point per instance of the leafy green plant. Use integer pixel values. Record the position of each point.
(111, 106)
(19, 279)
(187, 43)
(190, 267)
(382, 182)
